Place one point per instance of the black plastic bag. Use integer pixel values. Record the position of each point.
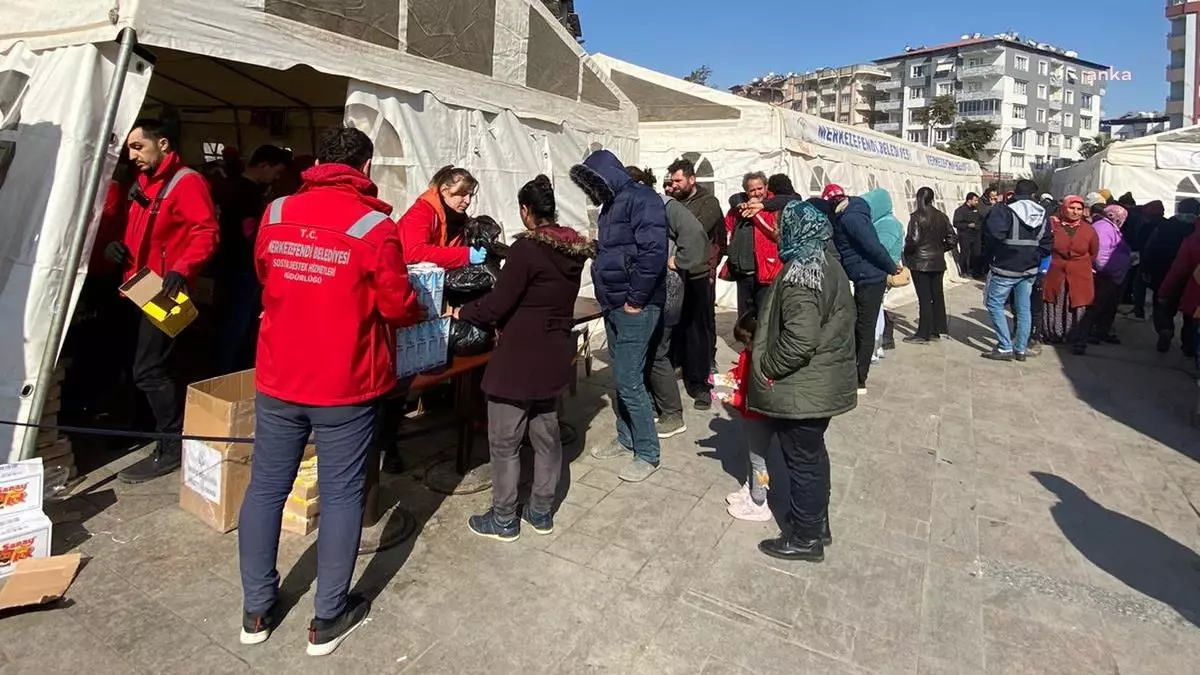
(472, 279)
(484, 232)
(467, 339)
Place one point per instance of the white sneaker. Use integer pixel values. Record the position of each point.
(879, 354)
(748, 510)
(742, 495)
(862, 391)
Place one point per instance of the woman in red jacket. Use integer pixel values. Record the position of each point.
(432, 228)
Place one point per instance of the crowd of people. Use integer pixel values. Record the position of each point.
(810, 276)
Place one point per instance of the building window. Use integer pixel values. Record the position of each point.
(1021, 63)
(984, 107)
(943, 135)
(1072, 76)
(1085, 123)
(1070, 96)
(1043, 67)
(1018, 139)
(974, 63)
(912, 114)
(945, 88)
(1018, 111)
(1054, 140)
(1041, 114)
(974, 87)
(1069, 142)
(919, 71)
(844, 118)
(1016, 161)
(1040, 140)
(1021, 88)
(1068, 120)
(1041, 91)
(915, 137)
(1085, 101)
(916, 92)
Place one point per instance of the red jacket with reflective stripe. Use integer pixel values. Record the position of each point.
(335, 289)
(183, 236)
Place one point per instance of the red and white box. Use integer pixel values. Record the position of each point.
(23, 536)
(21, 487)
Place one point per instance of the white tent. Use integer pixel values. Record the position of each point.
(498, 87)
(727, 136)
(1164, 166)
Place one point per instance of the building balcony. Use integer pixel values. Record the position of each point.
(917, 103)
(828, 109)
(1054, 125)
(888, 105)
(1173, 75)
(993, 117)
(894, 83)
(1055, 103)
(992, 48)
(1056, 80)
(980, 95)
(888, 127)
(1174, 107)
(990, 70)
(1176, 43)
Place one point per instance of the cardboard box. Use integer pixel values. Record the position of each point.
(37, 581)
(23, 536)
(170, 315)
(428, 282)
(215, 476)
(422, 347)
(22, 487)
(302, 508)
(299, 525)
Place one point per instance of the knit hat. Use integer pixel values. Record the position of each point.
(1094, 198)
(1107, 194)
(832, 192)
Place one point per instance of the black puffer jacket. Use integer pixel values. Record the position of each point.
(928, 239)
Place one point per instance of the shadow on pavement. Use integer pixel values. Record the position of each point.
(1133, 552)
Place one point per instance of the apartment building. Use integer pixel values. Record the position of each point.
(1183, 101)
(1135, 125)
(845, 95)
(1044, 100)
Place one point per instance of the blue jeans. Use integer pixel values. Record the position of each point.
(281, 430)
(998, 290)
(628, 343)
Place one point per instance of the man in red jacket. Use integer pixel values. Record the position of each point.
(335, 289)
(172, 229)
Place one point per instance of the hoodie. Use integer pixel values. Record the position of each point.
(1017, 237)
(889, 228)
(631, 243)
(863, 255)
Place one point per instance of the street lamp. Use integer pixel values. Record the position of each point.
(1000, 154)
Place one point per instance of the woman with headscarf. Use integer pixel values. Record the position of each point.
(1068, 288)
(1112, 266)
(929, 237)
(804, 372)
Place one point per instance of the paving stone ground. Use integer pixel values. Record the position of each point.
(989, 518)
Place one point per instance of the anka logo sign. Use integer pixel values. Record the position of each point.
(1110, 75)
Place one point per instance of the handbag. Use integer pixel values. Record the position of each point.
(899, 279)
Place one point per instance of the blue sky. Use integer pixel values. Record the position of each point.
(739, 43)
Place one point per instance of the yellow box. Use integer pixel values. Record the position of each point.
(299, 525)
(170, 315)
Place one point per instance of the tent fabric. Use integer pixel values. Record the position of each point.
(47, 134)
(728, 136)
(1164, 166)
(497, 86)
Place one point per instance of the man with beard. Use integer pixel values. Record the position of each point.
(172, 229)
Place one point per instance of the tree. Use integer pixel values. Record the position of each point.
(1095, 145)
(700, 75)
(940, 111)
(971, 138)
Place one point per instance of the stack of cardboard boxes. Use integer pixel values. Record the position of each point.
(424, 346)
(302, 510)
(54, 450)
(24, 529)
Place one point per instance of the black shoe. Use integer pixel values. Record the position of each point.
(542, 523)
(997, 355)
(826, 534)
(704, 401)
(256, 628)
(1079, 349)
(324, 635)
(888, 345)
(794, 548)
(915, 340)
(487, 525)
(1019, 357)
(1111, 339)
(1034, 349)
(1164, 342)
(392, 463)
(164, 459)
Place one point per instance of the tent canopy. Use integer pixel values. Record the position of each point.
(728, 136)
(1164, 167)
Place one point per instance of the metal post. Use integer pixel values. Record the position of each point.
(79, 231)
(1000, 158)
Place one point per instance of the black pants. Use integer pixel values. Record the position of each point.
(750, 295)
(1037, 308)
(970, 251)
(1098, 319)
(868, 298)
(807, 459)
(1137, 291)
(695, 324)
(931, 300)
(889, 329)
(152, 376)
(660, 374)
(1164, 323)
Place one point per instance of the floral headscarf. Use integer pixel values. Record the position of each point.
(1116, 215)
(803, 233)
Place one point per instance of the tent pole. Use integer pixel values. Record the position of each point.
(79, 232)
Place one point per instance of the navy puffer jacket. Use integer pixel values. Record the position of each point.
(631, 242)
(863, 256)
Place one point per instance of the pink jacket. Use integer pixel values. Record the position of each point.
(1113, 259)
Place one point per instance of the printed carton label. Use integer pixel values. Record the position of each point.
(202, 470)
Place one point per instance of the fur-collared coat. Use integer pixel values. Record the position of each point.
(533, 307)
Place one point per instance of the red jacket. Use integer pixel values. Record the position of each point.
(335, 288)
(423, 233)
(112, 226)
(766, 244)
(183, 236)
(740, 375)
(1180, 283)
